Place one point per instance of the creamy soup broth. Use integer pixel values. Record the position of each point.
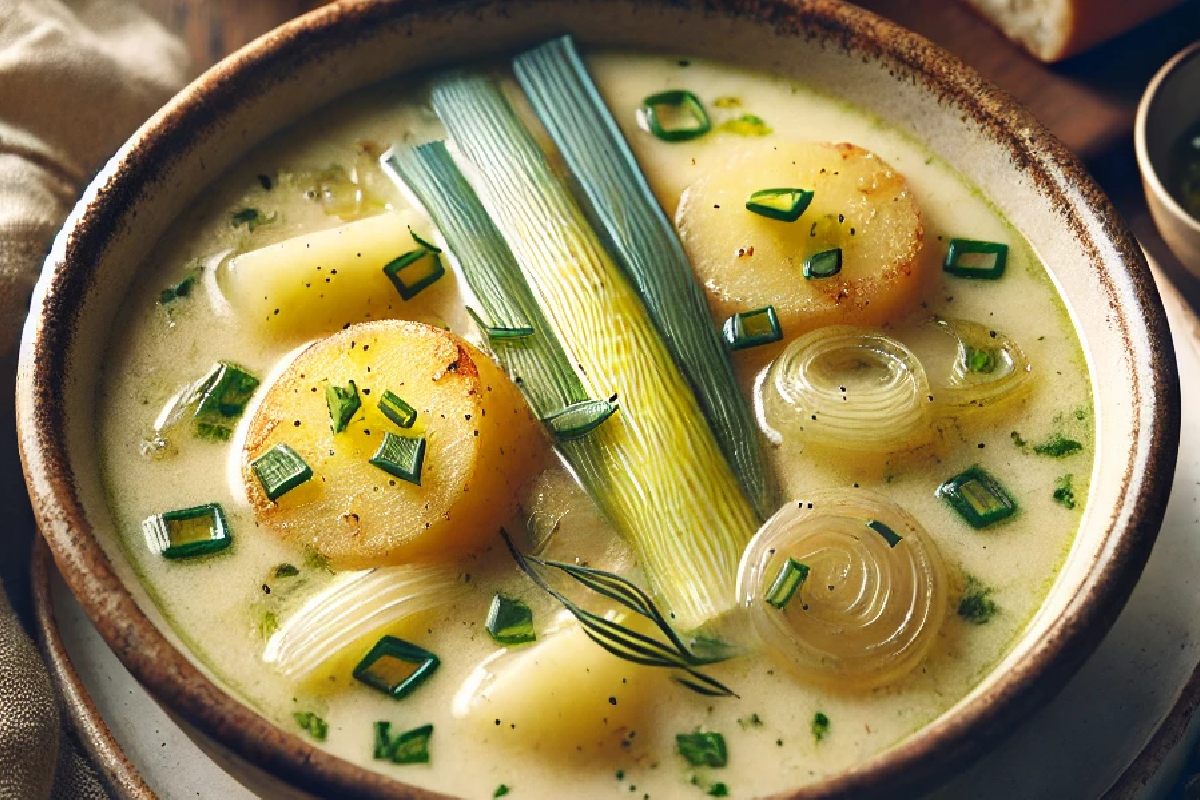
(218, 605)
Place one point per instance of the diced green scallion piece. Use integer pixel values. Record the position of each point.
(251, 218)
(884, 530)
(752, 328)
(579, 419)
(397, 410)
(981, 360)
(383, 741)
(509, 621)
(978, 498)
(221, 397)
(316, 727)
(414, 271)
(702, 749)
(969, 258)
(410, 747)
(785, 205)
(188, 532)
(396, 667)
(401, 457)
(820, 726)
(181, 289)
(791, 576)
(746, 125)
(494, 333)
(343, 403)
(976, 605)
(675, 116)
(280, 470)
(824, 264)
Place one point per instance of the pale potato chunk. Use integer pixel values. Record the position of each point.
(315, 284)
(746, 261)
(482, 444)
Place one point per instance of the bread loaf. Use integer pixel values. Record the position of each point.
(1055, 29)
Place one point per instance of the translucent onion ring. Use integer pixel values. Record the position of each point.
(967, 391)
(868, 612)
(847, 388)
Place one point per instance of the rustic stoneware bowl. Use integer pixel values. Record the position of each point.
(896, 75)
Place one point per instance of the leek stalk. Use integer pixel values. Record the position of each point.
(668, 488)
(644, 240)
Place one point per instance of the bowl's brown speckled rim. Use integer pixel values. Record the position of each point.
(919, 761)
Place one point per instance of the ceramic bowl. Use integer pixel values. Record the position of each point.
(1170, 105)
(837, 48)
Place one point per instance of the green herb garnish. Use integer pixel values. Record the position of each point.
(397, 410)
(978, 498)
(280, 470)
(976, 605)
(316, 727)
(501, 791)
(412, 747)
(824, 264)
(889, 535)
(251, 218)
(343, 403)
(579, 419)
(383, 741)
(702, 749)
(675, 116)
(401, 457)
(509, 621)
(1057, 446)
(785, 205)
(969, 258)
(181, 289)
(415, 270)
(188, 532)
(1064, 491)
(752, 328)
(752, 721)
(820, 726)
(220, 397)
(983, 361)
(746, 125)
(718, 789)
(268, 623)
(495, 333)
(284, 571)
(791, 575)
(396, 667)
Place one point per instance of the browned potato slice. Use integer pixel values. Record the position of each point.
(482, 443)
(861, 205)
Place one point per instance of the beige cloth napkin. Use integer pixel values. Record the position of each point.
(76, 78)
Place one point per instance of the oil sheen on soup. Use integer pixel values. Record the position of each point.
(616, 423)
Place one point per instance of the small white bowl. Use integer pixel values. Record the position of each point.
(1170, 105)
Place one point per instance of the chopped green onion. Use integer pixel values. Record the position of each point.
(316, 727)
(181, 289)
(718, 789)
(383, 741)
(251, 218)
(1064, 492)
(414, 271)
(412, 747)
(645, 241)
(396, 667)
(746, 125)
(401, 457)
(1057, 446)
(978, 498)
(494, 333)
(284, 571)
(501, 791)
(343, 404)
(791, 576)
(882, 528)
(969, 258)
(976, 605)
(981, 360)
(280, 470)
(820, 726)
(422, 243)
(188, 532)
(752, 328)
(675, 116)
(397, 410)
(702, 749)
(220, 397)
(824, 264)
(509, 621)
(579, 419)
(785, 205)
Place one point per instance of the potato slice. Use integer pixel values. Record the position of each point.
(861, 205)
(564, 694)
(482, 444)
(315, 284)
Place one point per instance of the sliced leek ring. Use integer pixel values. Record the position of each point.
(847, 388)
(873, 599)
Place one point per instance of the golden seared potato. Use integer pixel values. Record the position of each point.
(481, 444)
(316, 284)
(745, 260)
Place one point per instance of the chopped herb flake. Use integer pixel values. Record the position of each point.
(396, 667)
(316, 727)
(501, 791)
(343, 403)
(412, 747)
(978, 498)
(268, 623)
(383, 741)
(280, 470)
(397, 410)
(188, 532)
(1057, 446)
(401, 457)
(746, 125)
(284, 571)
(727, 101)
(220, 397)
(675, 116)
(889, 535)
(820, 726)
(752, 721)
(702, 749)
(976, 605)
(181, 289)
(791, 576)
(785, 205)
(509, 621)
(981, 360)
(1064, 491)
(718, 789)
(251, 218)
